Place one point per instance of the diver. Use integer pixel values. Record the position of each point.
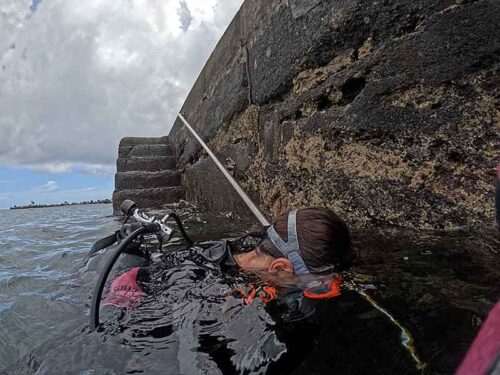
(300, 247)
(291, 263)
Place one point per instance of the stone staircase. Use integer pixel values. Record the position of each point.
(146, 173)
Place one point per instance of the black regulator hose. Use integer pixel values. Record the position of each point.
(181, 228)
(96, 299)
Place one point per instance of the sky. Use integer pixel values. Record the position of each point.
(77, 76)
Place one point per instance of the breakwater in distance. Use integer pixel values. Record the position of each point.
(36, 205)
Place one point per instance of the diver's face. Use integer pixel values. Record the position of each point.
(255, 260)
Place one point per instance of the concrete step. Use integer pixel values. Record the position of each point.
(133, 141)
(148, 198)
(144, 150)
(145, 180)
(145, 163)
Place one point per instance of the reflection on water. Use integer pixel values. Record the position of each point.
(406, 337)
(437, 286)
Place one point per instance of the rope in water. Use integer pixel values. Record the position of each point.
(406, 337)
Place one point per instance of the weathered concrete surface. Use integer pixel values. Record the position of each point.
(144, 150)
(146, 173)
(135, 141)
(145, 163)
(386, 112)
(206, 189)
(146, 180)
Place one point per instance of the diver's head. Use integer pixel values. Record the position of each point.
(323, 238)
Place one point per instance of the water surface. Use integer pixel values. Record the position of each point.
(437, 285)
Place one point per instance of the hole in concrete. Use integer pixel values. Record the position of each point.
(323, 103)
(455, 156)
(352, 88)
(319, 104)
(409, 25)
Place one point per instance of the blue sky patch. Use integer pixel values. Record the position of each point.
(34, 5)
(20, 186)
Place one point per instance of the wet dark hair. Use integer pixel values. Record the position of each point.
(324, 239)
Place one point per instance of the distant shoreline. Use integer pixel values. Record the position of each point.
(31, 206)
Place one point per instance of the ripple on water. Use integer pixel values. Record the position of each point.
(424, 281)
(39, 252)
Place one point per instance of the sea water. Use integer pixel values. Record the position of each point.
(39, 252)
(437, 287)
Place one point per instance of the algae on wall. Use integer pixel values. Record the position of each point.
(386, 112)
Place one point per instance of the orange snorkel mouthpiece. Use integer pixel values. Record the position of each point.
(327, 289)
(267, 293)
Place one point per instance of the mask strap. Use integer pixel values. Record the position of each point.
(290, 249)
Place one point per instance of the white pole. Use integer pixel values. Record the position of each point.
(255, 210)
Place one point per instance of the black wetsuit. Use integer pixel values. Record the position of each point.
(190, 299)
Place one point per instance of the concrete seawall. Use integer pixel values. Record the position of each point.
(386, 112)
(146, 173)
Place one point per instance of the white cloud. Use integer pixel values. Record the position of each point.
(52, 167)
(86, 189)
(98, 169)
(50, 186)
(75, 77)
(66, 167)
